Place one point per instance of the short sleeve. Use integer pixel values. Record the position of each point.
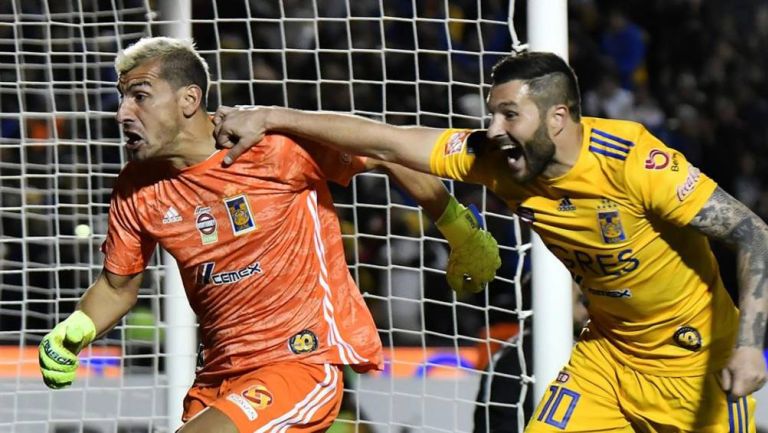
(663, 182)
(456, 155)
(127, 250)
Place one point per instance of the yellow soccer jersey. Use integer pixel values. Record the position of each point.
(616, 220)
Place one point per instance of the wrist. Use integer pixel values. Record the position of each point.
(456, 223)
(80, 323)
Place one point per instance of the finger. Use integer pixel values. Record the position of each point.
(725, 380)
(238, 149)
(472, 286)
(223, 140)
(221, 112)
(455, 281)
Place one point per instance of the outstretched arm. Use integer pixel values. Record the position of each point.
(725, 218)
(474, 252)
(240, 128)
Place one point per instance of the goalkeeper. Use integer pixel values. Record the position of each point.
(666, 349)
(259, 248)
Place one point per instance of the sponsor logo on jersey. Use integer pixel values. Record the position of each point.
(207, 276)
(455, 142)
(526, 214)
(345, 158)
(303, 342)
(581, 263)
(244, 405)
(657, 160)
(566, 205)
(688, 337)
(206, 225)
(686, 188)
(675, 163)
(258, 396)
(240, 215)
(171, 216)
(620, 293)
(563, 377)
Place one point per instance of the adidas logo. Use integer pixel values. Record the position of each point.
(566, 205)
(171, 216)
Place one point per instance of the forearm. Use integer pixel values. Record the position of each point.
(752, 268)
(106, 304)
(428, 191)
(410, 146)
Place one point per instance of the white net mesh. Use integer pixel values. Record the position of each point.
(402, 62)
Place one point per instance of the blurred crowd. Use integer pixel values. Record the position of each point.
(692, 71)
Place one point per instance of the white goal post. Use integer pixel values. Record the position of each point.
(419, 62)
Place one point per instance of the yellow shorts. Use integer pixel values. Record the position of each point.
(300, 396)
(594, 393)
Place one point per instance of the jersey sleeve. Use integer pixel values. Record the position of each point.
(455, 155)
(662, 181)
(127, 250)
(325, 163)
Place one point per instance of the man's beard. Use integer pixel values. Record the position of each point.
(539, 152)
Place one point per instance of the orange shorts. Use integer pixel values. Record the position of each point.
(300, 396)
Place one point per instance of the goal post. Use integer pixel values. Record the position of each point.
(423, 63)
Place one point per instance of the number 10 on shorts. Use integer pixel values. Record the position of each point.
(559, 407)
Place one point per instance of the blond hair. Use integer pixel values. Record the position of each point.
(182, 65)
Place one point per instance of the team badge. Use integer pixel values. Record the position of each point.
(688, 337)
(240, 215)
(258, 396)
(610, 222)
(455, 143)
(206, 225)
(303, 342)
(657, 160)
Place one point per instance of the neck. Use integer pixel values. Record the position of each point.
(195, 143)
(567, 149)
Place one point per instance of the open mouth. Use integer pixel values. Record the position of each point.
(133, 140)
(512, 151)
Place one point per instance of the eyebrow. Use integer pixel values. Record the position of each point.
(504, 105)
(134, 84)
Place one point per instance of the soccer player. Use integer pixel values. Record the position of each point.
(666, 349)
(259, 248)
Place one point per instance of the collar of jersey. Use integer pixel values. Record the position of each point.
(215, 159)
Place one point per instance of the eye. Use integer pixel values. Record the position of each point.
(510, 115)
(139, 97)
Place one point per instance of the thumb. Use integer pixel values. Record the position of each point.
(726, 379)
(73, 339)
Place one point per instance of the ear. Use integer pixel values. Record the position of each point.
(558, 118)
(191, 98)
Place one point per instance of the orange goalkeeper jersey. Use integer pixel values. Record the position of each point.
(260, 252)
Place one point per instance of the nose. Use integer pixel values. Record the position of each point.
(494, 128)
(123, 112)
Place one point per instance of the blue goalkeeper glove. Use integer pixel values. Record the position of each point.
(474, 252)
(59, 349)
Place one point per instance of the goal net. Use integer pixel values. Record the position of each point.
(424, 62)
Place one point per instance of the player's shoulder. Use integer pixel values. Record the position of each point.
(138, 175)
(615, 140)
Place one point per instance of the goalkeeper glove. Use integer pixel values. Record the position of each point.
(474, 252)
(59, 349)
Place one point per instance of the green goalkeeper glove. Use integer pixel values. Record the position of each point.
(474, 252)
(59, 349)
